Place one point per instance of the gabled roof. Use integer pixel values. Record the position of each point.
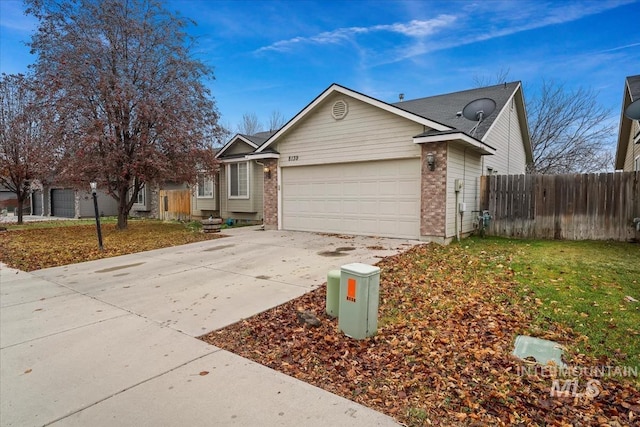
(444, 108)
(254, 141)
(631, 93)
(447, 109)
(438, 113)
(336, 88)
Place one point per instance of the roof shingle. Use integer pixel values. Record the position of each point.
(444, 108)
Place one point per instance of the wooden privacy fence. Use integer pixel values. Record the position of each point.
(175, 205)
(573, 207)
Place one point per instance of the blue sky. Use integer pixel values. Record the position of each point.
(279, 55)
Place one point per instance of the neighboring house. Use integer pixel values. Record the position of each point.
(240, 179)
(8, 199)
(349, 163)
(66, 202)
(628, 150)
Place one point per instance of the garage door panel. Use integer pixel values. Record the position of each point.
(334, 189)
(404, 207)
(371, 198)
(63, 203)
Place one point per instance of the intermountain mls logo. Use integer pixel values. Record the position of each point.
(571, 388)
(566, 380)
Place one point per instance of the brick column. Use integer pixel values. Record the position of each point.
(433, 189)
(270, 195)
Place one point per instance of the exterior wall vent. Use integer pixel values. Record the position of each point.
(340, 109)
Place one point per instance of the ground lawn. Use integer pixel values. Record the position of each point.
(447, 322)
(37, 245)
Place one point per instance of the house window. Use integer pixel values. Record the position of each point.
(636, 164)
(141, 199)
(205, 186)
(239, 180)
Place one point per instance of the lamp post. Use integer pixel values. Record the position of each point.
(94, 187)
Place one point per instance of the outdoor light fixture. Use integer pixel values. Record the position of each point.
(267, 171)
(431, 161)
(94, 188)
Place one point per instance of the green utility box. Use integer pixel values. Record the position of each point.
(358, 303)
(333, 293)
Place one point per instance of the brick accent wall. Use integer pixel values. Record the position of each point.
(434, 193)
(270, 196)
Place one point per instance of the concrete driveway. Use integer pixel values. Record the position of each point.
(111, 342)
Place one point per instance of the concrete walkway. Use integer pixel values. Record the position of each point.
(111, 342)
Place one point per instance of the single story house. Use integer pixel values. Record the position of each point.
(65, 202)
(239, 182)
(628, 148)
(350, 163)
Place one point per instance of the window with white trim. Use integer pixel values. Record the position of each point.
(238, 179)
(140, 202)
(636, 164)
(205, 186)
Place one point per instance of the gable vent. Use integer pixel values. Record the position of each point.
(339, 110)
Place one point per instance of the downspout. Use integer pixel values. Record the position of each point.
(464, 184)
(457, 215)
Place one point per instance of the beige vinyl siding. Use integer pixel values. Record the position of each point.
(633, 150)
(250, 208)
(466, 165)
(366, 133)
(238, 147)
(506, 138)
(204, 204)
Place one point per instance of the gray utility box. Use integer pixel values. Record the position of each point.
(358, 303)
(333, 293)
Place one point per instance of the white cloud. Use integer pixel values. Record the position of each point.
(12, 17)
(414, 28)
(511, 18)
(475, 22)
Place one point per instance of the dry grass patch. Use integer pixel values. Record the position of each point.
(35, 246)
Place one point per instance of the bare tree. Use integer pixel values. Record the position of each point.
(25, 152)
(131, 104)
(501, 77)
(250, 124)
(276, 120)
(570, 132)
(226, 131)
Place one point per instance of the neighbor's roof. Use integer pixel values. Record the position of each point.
(631, 93)
(254, 141)
(260, 137)
(444, 108)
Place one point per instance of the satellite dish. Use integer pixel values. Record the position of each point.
(633, 110)
(478, 110)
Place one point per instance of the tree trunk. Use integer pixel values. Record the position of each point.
(19, 208)
(123, 220)
(123, 212)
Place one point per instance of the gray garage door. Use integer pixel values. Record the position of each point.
(63, 203)
(36, 196)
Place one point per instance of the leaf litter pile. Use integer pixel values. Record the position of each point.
(36, 248)
(442, 353)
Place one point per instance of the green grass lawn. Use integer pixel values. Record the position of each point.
(584, 285)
